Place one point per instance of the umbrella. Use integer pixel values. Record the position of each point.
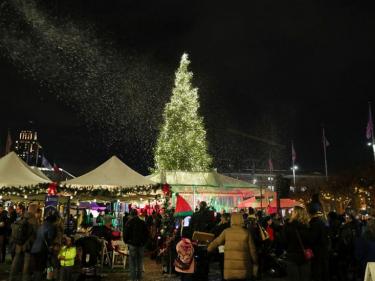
(183, 208)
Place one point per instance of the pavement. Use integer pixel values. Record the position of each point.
(153, 272)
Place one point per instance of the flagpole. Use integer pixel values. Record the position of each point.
(293, 165)
(325, 153)
(372, 129)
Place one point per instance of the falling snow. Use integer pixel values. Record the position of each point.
(114, 91)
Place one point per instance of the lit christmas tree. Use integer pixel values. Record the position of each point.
(182, 144)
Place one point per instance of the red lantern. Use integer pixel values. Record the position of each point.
(166, 189)
(52, 189)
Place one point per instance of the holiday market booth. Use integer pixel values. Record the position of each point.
(115, 183)
(18, 179)
(219, 191)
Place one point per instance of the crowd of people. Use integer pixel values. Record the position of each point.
(306, 244)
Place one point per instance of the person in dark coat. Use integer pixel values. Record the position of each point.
(3, 233)
(349, 233)
(202, 220)
(319, 244)
(365, 248)
(105, 231)
(40, 251)
(334, 225)
(217, 230)
(136, 235)
(296, 231)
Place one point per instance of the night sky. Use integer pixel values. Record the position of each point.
(275, 70)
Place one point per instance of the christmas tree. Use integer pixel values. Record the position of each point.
(182, 143)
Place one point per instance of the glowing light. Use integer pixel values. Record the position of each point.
(181, 144)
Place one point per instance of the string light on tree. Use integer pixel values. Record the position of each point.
(182, 144)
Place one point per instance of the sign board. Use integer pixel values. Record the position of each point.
(51, 203)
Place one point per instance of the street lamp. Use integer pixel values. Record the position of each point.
(294, 169)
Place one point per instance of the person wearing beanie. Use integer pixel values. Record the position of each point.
(319, 243)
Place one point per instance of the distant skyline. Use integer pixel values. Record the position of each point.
(270, 70)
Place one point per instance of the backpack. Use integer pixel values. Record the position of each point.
(185, 254)
(20, 231)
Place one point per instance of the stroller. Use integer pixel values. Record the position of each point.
(90, 248)
(275, 264)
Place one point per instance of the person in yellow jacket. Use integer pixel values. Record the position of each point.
(66, 257)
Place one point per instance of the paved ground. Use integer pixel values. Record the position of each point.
(153, 272)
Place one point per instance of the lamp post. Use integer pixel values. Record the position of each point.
(294, 168)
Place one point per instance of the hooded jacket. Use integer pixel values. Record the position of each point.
(239, 251)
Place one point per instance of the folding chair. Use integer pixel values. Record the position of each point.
(119, 254)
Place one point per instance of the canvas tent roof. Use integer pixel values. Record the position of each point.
(39, 172)
(15, 172)
(112, 174)
(203, 181)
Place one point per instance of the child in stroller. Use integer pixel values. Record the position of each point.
(89, 248)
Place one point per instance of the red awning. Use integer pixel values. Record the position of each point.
(256, 204)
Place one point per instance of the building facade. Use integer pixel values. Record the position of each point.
(28, 148)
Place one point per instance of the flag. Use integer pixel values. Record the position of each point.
(56, 169)
(45, 163)
(270, 164)
(370, 126)
(293, 154)
(183, 208)
(8, 145)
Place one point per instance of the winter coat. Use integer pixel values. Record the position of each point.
(44, 237)
(69, 254)
(239, 253)
(320, 247)
(136, 232)
(293, 246)
(26, 247)
(202, 221)
(4, 223)
(365, 250)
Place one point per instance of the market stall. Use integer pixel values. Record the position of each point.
(17, 178)
(116, 184)
(218, 190)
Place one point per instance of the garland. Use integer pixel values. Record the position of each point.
(86, 190)
(167, 219)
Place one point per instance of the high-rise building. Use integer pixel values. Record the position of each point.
(28, 148)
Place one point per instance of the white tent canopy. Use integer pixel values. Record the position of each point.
(15, 172)
(183, 181)
(212, 179)
(39, 172)
(111, 174)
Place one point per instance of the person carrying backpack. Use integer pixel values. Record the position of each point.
(41, 250)
(136, 236)
(23, 236)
